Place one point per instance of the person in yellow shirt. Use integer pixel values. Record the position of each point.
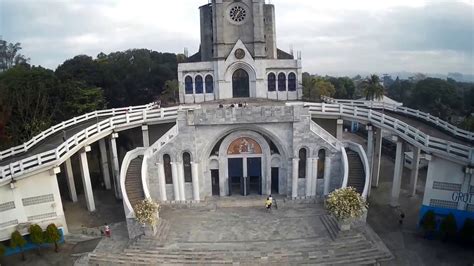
(268, 203)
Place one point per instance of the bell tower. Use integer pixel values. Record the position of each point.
(224, 22)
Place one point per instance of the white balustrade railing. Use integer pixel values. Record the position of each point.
(326, 136)
(409, 133)
(128, 208)
(365, 162)
(465, 134)
(345, 167)
(71, 122)
(83, 138)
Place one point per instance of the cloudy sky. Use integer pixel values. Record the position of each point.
(336, 37)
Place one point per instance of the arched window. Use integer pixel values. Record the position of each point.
(321, 160)
(271, 82)
(167, 166)
(292, 82)
(209, 84)
(188, 178)
(199, 84)
(281, 82)
(302, 163)
(188, 85)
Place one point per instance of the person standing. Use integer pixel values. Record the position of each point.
(107, 230)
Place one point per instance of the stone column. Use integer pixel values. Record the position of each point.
(162, 181)
(58, 204)
(339, 129)
(146, 137)
(174, 174)
(294, 186)
(195, 176)
(70, 180)
(415, 165)
(327, 174)
(105, 164)
(86, 179)
(115, 166)
(370, 148)
(377, 158)
(397, 173)
(181, 182)
(314, 182)
(309, 176)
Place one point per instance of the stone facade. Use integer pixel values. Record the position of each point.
(206, 134)
(229, 45)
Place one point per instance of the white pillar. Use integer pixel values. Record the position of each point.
(195, 176)
(174, 174)
(327, 174)
(105, 164)
(339, 129)
(309, 176)
(181, 181)
(377, 158)
(294, 186)
(162, 181)
(370, 148)
(70, 180)
(397, 173)
(115, 166)
(314, 182)
(146, 137)
(58, 204)
(86, 179)
(415, 165)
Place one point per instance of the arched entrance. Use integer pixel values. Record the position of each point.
(245, 167)
(240, 84)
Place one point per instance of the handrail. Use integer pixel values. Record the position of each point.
(73, 121)
(123, 175)
(449, 150)
(160, 143)
(345, 167)
(80, 139)
(326, 136)
(465, 134)
(365, 161)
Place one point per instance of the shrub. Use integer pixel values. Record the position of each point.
(2, 250)
(51, 235)
(467, 232)
(17, 240)
(36, 236)
(346, 203)
(428, 222)
(448, 227)
(146, 212)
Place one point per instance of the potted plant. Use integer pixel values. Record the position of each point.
(146, 213)
(2, 250)
(346, 205)
(51, 235)
(17, 240)
(36, 236)
(448, 228)
(467, 232)
(428, 223)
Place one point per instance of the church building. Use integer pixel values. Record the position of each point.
(238, 56)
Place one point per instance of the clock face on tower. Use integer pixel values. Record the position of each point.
(238, 14)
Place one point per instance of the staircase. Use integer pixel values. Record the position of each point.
(133, 181)
(356, 171)
(351, 249)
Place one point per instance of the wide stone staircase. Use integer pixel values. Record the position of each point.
(356, 171)
(133, 181)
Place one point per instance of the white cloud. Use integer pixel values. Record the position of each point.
(338, 36)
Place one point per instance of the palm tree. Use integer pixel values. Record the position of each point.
(372, 88)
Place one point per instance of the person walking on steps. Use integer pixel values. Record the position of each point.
(107, 230)
(268, 203)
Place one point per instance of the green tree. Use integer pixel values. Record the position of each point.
(9, 56)
(51, 235)
(435, 96)
(372, 88)
(36, 236)
(170, 92)
(325, 88)
(448, 227)
(17, 240)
